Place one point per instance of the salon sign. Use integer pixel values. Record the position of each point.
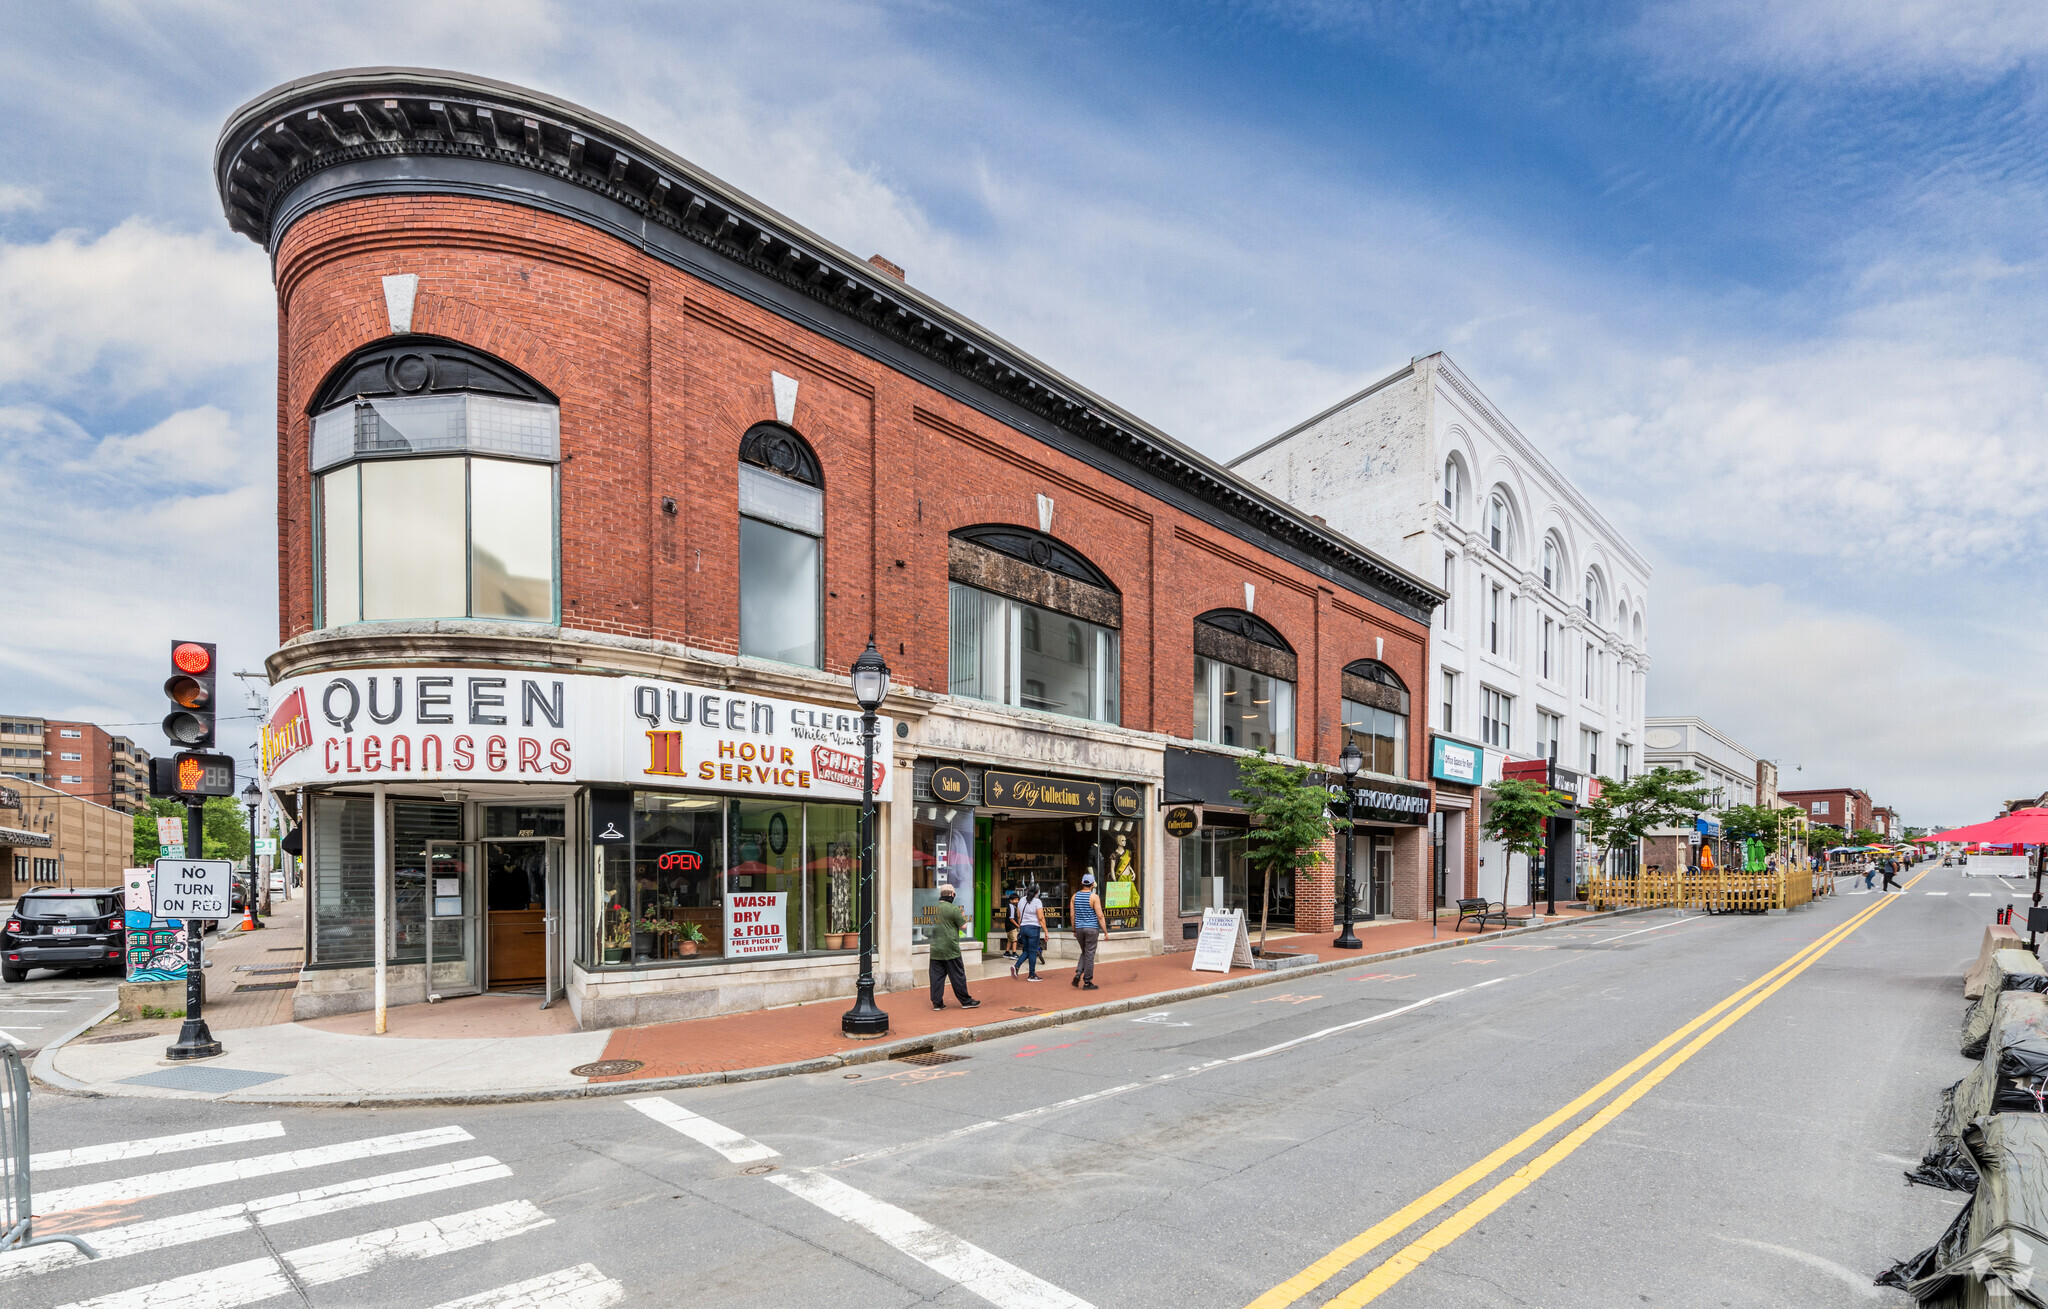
(503, 725)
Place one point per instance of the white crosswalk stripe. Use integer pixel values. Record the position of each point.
(234, 1170)
(112, 1151)
(58, 1272)
(739, 1149)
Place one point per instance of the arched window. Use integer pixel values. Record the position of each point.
(1031, 623)
(1500, 526)
(1375, 708)
(1596, 596)
(436, 489)
(1552, 566)
(1454, 486)
(782, 532)
(1244, 682)
(1639, 628)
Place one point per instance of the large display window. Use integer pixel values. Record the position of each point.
(1049, 855)
(1215, 874)
(707, 877)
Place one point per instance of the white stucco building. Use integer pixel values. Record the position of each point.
(1540, 652)
(1727, 770)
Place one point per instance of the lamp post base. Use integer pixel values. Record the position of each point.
(194, 1042)
(1348, 940)
(866, 1018)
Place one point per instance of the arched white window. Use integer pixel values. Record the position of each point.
(1550, 565)
(782, 530)
(1453, 486)
(1596, 599)
(1639, 628)
(1500, 526)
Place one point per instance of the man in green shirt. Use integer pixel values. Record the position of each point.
(948, 921)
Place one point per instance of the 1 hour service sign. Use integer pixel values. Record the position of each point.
(495, 724)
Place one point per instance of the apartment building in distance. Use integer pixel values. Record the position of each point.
(78, 759)
(49, 837)
(1843, 807)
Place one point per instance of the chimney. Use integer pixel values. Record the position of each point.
(1319, 518)
(881, 262)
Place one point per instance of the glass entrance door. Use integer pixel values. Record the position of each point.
(1382, 873)
(518, 874)
(452, 910)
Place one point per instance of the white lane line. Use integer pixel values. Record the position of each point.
(1934, 893)
(270, 1211)
(19, 1027)
(1343, 1027)
(739, 1149)
(109, 1151)
(316, 1265)
(1980, 895)
(972, 1128)
(1696, 918)
(581, 1287)
(995, 1280)
(235, 1170)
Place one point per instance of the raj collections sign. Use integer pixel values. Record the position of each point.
(1045, 795)
(498, 724)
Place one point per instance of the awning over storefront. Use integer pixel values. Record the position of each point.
(16, 838)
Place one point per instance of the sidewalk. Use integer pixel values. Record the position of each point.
(505, 1047)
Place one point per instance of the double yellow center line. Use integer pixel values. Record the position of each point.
(1727, 1012)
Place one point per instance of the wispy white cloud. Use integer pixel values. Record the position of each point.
(1857, 39)
(14, 196)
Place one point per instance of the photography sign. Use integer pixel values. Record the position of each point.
(193, 888)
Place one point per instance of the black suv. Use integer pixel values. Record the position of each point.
(72, 928)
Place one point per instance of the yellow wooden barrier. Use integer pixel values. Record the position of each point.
(1723, 890)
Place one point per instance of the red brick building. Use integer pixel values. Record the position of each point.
(78, 759)
(594, 477)
(1846, 808)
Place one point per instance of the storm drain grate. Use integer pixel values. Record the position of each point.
(265, 986)
(930, 1057)
(202, 1079)
(120, 1036)
(607, 1068)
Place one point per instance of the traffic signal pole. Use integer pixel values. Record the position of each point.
(194, 1040)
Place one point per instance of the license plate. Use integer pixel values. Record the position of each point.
(64, 931)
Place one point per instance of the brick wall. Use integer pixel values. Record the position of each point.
(94, 767)
(659, 374)
(1315, 889)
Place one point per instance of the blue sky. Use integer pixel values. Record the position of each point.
(1762, 277)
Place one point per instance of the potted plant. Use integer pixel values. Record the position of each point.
(689, 937)
(618, 939)
(838, 894)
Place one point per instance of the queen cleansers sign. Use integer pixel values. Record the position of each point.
(1047, 795)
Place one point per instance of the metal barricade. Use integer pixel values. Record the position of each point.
(17, 1228)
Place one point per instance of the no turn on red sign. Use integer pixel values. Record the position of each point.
(193, 888)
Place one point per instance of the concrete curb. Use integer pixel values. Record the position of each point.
(44, 1069)
(891, 1049)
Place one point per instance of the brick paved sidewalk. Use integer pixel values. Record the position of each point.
(811, 1031)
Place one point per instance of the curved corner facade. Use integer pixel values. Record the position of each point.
(594, 475)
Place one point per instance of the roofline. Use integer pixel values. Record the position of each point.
(368, 117)
(1694, 720)
(1339, 407)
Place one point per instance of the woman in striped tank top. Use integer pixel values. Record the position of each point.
(1087, 918)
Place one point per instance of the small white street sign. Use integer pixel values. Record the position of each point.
(193, 888)
(266, 845)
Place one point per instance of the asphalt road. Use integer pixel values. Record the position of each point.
(1208, 1155)
(48, 1003)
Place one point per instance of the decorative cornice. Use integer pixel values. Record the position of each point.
(426, 118)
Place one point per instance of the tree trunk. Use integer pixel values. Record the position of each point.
(1265, 907)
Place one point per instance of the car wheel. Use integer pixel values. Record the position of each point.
(13, 974)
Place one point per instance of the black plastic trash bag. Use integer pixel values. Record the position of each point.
(2005, 1226)
(2011, 970)
(1926, 1266)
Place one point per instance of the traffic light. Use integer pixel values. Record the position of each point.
(190, 688)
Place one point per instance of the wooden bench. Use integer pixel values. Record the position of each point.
(1481, 910)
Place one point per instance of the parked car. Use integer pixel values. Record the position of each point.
(72, 928)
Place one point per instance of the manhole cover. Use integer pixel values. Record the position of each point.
(607, 1068)
(120, 1036)
(265, 986)
(758, 1169)
(1026, 1009)
(930, 1057)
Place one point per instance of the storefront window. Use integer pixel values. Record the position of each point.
(766, 909)
(344, 881)
(1236, 706)
(674, 908)
(1019, 654)
(1049, 855)
(941, 854)
(412, 827)
(1214, 874)
(831, 865)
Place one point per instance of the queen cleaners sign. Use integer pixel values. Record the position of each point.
(478, 724)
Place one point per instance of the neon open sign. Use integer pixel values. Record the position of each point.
(680, 861)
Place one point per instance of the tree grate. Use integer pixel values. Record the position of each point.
(930, 1057)
(266, 986)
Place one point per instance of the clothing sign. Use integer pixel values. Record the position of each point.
(1224, 943)
(193, 888)
(1040, 794)
(499, 724)
(755, 923)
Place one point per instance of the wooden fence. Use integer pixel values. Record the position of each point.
(1733, 891)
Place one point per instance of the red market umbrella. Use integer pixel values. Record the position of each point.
(2020, 827)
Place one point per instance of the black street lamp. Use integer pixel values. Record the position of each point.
(251, 797)
(1350, 762)
(870, 684)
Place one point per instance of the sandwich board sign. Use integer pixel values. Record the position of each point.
(193, 888)
(1224, 943)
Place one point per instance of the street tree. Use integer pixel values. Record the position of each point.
(1290, 816)
(1517, 815)
(1624, 812)
(1756, 822)
(227, 832)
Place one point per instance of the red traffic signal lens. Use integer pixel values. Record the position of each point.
(187, 692)
(191, 657)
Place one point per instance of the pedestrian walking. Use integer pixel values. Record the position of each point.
(1030, 934)
(1888, 868)
(1087, 918)
(948, 921)
(1869, 875)
(1010, 923)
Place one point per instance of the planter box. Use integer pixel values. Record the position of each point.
(1273, 960)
